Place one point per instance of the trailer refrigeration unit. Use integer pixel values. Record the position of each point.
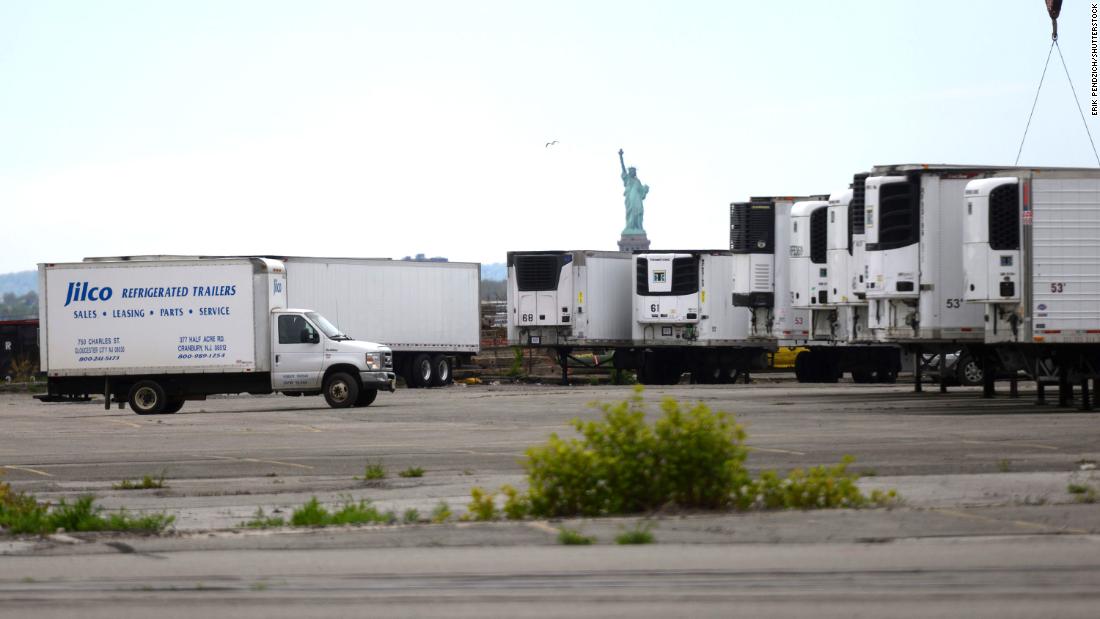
(1032, 266)
(158, 332)
(566, 300)
(427, 313)
(684, 320)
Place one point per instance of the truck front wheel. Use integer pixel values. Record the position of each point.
(341, 390)
(366, 397)
(147, 397)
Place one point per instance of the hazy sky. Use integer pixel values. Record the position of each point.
(391, 128)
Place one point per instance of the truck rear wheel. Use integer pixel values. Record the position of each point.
(341, 390)
(420, 371)
(441, 371)
(147, 397)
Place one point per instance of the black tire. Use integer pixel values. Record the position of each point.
(441, 371)
(366, 397)
(863, 376)
(420, 371)
(341, 390)
(804, 367)
(173, 406)
(147, 397)
(969, 372)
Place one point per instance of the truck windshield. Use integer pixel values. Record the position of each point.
(326, 327)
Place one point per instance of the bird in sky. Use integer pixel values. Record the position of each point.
(549, 144)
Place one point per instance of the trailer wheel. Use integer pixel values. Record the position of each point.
(441, 371)
(420, 371)
(341, 390)
(969, 371)
(366, 397)
(804, 367)
(147, 397)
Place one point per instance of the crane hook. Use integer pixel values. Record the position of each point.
(1054, 7)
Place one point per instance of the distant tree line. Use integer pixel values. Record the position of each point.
(14, 307)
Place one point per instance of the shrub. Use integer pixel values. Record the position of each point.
(516, 504)
(441, 513)
(693, 457)
(309, 515)
(516, 369)
(815, 488)
(482, 505)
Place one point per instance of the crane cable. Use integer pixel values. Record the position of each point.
(1054, 7)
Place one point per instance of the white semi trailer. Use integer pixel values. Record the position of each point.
(156, 333)
(685, 320)
(1032, 267)
(568, 300)
(661, 313)
(780, 245)
(427, 313)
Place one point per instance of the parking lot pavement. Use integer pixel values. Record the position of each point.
(987, 475)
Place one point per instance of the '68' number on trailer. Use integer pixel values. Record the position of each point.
(527, 318)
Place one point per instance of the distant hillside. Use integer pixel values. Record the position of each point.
(19, 283)
(497, 271)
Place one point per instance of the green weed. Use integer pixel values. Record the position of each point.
(412, 471)
(411, 516)
(147, 482)
(373, 471)
(641, 534)
(441, 513)
(571, 537)
(260, 520)
(313, 514)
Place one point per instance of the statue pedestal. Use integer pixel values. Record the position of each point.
(633, 242)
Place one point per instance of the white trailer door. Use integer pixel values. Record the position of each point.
(298, 354)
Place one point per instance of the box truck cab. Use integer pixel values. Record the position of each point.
(156, 333)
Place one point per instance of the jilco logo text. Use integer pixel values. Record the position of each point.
(81, 291)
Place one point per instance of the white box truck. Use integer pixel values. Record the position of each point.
(427, 313)
(156, 333)
(1032, 267)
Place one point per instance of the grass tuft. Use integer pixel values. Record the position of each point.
(374, 471)
(640, 534)
(572, 537)
(412, 471)
(147, 482)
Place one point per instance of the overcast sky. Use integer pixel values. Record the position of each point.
(390, 128)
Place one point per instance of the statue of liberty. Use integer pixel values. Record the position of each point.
(634, 192)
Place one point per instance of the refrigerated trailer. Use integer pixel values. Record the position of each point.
(427, 313)
(781, 275)
(685, 320)
(156, 333)
(568, 300)
(1032, 267)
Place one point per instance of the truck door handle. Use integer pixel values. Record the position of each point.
(276, 358)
